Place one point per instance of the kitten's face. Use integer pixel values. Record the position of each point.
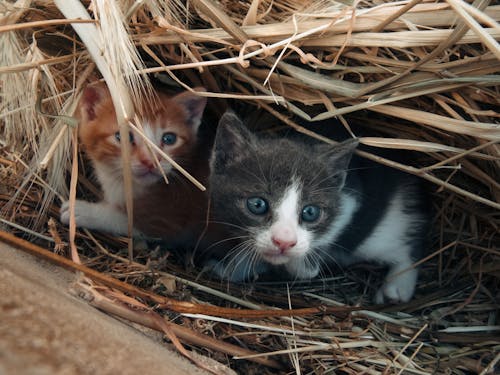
(281, 196)
(171, 125)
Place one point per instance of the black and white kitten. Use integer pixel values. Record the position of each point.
(280, 204)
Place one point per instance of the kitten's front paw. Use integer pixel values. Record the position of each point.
(64, 213)
(235, 272)
(398, 288)
(223, 272)
(83, 213)
(216, 267)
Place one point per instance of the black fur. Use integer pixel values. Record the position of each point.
(244, 166)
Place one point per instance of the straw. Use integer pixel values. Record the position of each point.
(415, 75)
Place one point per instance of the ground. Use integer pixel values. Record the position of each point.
(46, 330)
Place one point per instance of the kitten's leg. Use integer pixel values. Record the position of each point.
(237, 272)
(298, 268)
(399, 284)
(101, 216)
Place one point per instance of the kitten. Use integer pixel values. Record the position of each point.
(176, 212)
(171, 123)
(297, 207)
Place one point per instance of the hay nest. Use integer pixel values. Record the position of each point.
(418, 75)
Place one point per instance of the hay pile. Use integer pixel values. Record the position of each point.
(418, 75)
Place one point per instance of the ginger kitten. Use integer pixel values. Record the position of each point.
(171, 124)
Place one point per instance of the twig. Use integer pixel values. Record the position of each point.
(165, 302)
(153, 320)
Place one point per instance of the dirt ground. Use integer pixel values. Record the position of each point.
(46, 330)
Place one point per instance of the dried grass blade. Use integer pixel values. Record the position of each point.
(217, 15)
(92, 38)
(406, 92)
(72, 198)
(395, 15)
(322, 82)
(161, 301)
(472, 152)
(406, 39)
(484, 17)
(251, 16)
(27, 66)
(153, 320)
(484, 36)
(26, 230)
(169, 331)
(410, 144)
(325, 346)
(453, 37)
(429, 177)
(425, 15)
(491, 366)
(167, 157)
(487, 131)
(30, 25)
(118, 304)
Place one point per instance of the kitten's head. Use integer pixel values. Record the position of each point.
(277, 196)
(171, 123)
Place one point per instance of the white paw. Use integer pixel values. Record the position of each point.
(64, 213)
(83, 213)
(234, 271)
(99, 216)
(224, 272)
(397, 288)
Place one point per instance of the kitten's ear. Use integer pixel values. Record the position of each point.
(341, 153)
(339, 157)
(231, 142)
(194, 105)
(92, 98)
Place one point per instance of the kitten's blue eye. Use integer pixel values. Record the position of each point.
(169, 138)
(310, 213)
(257, 205)
(130, 137)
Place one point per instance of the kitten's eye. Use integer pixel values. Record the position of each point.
(257, 205)
(130, 137)
(310, 213)
(169, 138)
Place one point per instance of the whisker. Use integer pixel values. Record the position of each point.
(222, 241)
(326, 254)
(238, 256)
(261, 171)
(229, 225)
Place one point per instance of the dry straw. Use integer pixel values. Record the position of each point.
(417, 75)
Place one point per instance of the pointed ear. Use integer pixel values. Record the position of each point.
(193, 104)
(92, 98)
(338, 159)
(232, 141)
(341, 154)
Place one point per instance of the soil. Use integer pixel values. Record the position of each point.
(46, 330)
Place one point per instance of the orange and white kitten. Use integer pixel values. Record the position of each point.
(171, 124)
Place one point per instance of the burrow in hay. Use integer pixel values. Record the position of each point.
(414, 75)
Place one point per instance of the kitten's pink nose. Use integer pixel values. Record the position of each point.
(148, 164)
(284, 244)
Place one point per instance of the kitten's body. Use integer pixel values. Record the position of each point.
(287, 205)
(171, 123)
(176, 212)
